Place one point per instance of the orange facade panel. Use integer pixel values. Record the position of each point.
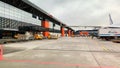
(1, 52)
(69, 33)
(84, 33)
(62, 32)
(45, 24)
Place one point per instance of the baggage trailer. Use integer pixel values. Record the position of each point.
(7, 36)
(24, 33)
(109, 33)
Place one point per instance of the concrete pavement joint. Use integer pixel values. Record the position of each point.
(74, 50)
(86, 52)
(95, 58)
(108, 50)
(24, 50)
(103, 47)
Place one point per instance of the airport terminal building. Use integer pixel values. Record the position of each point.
(12, 18)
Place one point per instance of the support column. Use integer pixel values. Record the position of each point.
(72, 33)
(45, 24)
(69, 33)
(62, 32)
(1, 52)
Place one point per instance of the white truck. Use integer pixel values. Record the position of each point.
(109, 33)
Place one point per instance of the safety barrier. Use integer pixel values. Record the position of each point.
(1, 52)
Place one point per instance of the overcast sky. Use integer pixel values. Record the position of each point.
(82, 12)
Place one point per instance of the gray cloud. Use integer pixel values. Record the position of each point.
(82, 12)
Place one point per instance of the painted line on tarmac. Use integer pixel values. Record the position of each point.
(104, 48)
(98, 62)
(56, 63)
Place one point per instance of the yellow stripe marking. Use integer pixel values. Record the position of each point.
(105, 48)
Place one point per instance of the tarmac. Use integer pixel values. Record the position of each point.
(66, 52)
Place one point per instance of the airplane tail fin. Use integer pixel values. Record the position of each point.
(110, 18)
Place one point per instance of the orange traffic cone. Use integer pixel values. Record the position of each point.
(1, 52)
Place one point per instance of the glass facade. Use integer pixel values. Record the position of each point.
(12, 17)
(56, 26)
(13, 24)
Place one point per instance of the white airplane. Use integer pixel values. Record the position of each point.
(111, 25)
